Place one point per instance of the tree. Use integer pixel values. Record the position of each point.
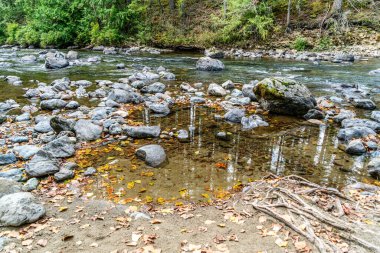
(337, 7)
(288, 16)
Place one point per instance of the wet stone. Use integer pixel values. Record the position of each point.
(153, 155)
(364, 104)
(90, 171)
(31, 184)
(356, 147)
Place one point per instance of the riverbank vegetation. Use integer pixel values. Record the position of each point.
(168, 23)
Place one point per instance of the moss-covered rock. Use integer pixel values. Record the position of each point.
(284, 96)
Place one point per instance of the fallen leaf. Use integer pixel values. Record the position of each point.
(42, 242)
(281, 243)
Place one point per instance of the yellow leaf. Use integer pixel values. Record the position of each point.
(63, 208)
(160, 201)
(130, 185)
(138, 181)
(148, 199)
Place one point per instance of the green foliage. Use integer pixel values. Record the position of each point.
(11, 30)
(324, 43)
(300, 44)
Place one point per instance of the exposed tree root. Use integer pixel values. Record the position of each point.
(327, 218)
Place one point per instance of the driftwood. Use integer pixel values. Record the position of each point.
(315, 208)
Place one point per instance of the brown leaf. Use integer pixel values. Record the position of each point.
(219, 239)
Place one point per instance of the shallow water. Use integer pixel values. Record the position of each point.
(206, 165)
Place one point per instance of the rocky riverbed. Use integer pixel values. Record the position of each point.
(149, 126)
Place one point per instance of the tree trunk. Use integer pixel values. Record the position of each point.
(288, 15)
(172, 5)
(337, 6)
(225, 9)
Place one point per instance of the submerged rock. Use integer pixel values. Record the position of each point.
(284, 96)
(20, 208)
(209, 64)
(153, 155)
(183, 135)
(314, 114)
(347, 134)
(142, 132)
(253, 121)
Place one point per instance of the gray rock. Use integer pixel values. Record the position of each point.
(63, 175)
(183, 135)
(31, 184)
(187, 88)
(82, 83)
(87, 131)
(154, 88)
(61, 147)
(20, 208)
(3, 118)
(26, 152)
(115, 129)
(209, 64)
(42, 164)
(347, 123)
(90, 171)
(374, 167)
(375, 115)
(161, 109)
(43, 127)
(120, 66)
(356, 147)
(247, 91)
(284, 96)
(23, 117)
(344, 114)
(72, 55)
(70, 166)
(228, 85)
(138, 84)
(197, 100)
(12, 174)
(19, 139)
(122, 96)
(7, 158)
(216, 90)
(56, 63)
(214, 53)
(153, 155)
(72, 105)
(142, 132)
(8, 186)
(59, 124)
(347, 134)
(314, 114)
(224, 136)
(29, 58)
(61, 84)
(367, 104)
(234, 115)
(53, 104)
(253, 121)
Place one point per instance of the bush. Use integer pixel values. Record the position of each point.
(324, 43)
(106, 36)
(301, 44)
(56, 38)
(26, 35)
(11, 30)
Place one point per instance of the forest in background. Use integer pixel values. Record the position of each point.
(170, 23)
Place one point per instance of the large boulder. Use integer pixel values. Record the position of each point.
(87, 131)
(209, 64)
(142, 132)
(42, 164)
(284, 96)
(62, 147)
(20, 208)
(56, 63)
(153, 155)
(123, 96)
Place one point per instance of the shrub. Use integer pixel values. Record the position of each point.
(11, 30)
(26, 35)
(324, 43)
(301, 44)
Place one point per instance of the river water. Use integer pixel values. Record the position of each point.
(205, 165)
